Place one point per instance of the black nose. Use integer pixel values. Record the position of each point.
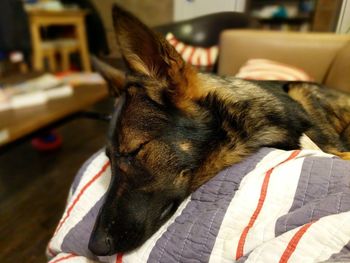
(101, 244)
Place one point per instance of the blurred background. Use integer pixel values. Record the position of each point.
(54, 108)
(16, 39)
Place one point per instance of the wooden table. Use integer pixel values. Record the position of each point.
(15, 124)
(42, 18)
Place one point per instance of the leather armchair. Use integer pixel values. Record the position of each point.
(325, 56)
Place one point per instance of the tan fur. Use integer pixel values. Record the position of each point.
(302, 95)
(182, 179)
(185, 146)
(342, 155)
(216, 161)
(138, 65)
(333, 117)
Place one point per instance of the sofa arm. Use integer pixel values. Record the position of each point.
(339, 73)
(313, 52)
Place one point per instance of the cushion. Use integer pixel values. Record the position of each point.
(264, 69)
(200, 57)
(275, 206)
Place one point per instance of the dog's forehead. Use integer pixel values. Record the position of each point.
(136, 119)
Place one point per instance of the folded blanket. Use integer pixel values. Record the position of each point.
(275, 206)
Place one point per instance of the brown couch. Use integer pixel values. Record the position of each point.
(325, 56)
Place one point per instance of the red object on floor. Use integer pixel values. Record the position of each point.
(48, 142)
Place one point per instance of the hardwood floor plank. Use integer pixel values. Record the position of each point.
(34, 187)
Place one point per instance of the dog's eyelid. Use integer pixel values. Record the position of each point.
(136, 151)
(133, 152)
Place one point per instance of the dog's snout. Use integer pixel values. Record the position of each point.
(101, 244)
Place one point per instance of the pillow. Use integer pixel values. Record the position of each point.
(264, 69)
(275, 206)
(200, 57)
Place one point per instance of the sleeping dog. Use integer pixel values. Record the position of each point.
(174, 128)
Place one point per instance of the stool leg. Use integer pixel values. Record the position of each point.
(52, 61)
(38, 61)
(65, 60)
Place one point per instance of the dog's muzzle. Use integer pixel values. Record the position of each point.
(101, 244)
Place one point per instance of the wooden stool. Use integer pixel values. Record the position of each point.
(45, 18)
(66, 47)
(48, 51)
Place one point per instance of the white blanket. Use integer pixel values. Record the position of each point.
(275, 206)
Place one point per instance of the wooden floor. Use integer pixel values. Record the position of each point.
(33, 188)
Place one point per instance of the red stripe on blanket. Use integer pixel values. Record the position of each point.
(105, 166)
(49, 249)
(64, 258)
(263, 192)
(119, 258)
(81, 193)
(292, 245)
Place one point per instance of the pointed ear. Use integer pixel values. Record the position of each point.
(144, 51)
(114, 77)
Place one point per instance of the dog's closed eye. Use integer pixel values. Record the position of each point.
(131, 153)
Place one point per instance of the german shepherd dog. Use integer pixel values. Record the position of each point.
(173, 129)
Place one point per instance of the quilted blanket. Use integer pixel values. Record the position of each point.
(275, 206)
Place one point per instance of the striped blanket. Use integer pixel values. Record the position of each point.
(275, 206)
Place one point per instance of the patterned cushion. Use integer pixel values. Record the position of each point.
(264, 69)
(200, 57)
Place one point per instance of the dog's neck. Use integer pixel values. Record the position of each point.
(212, 93)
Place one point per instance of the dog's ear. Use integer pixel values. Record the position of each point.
(144, 51)
(113, 76)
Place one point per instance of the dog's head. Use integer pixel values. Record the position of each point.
(159, 136)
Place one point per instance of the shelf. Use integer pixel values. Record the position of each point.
(291, 20)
